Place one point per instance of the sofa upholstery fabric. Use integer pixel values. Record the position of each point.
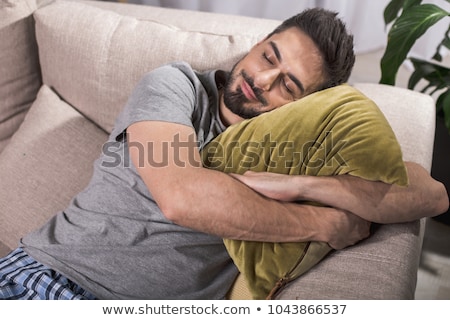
(85, 57)
(48, 160)
(19, 65)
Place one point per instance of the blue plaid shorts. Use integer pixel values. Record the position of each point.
(23, 278)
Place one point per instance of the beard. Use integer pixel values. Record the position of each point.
(235, 100)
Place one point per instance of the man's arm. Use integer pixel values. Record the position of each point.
(374, 201)
(167, 159)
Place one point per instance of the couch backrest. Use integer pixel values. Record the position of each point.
(93, 57)
(92, 53)
(20, 77)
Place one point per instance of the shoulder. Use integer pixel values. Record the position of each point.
(171, 72)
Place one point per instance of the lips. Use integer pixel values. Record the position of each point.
(248, 91)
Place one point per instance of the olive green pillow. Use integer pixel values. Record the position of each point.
(331, 132)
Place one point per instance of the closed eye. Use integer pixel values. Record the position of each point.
(266, 57)
(287, 88)
(285, 84)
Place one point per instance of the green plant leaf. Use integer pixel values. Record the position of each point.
(437, 76)
(410, 26)
(410, 3)
(444, 43)
(392, 10)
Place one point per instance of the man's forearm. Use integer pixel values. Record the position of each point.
(213, 202)
(220, 205)
(230, 209)
(380, 202)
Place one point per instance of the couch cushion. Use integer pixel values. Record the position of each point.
(16, 10)
(19, 65)
(4, 249)
(93, 57)
(330, 132)
(197, 21)
(48, 160)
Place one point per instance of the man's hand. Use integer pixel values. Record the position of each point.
(350, 229)
(347, 228)
(213, 202)
(371, 200)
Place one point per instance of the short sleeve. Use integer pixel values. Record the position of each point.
(164, 94)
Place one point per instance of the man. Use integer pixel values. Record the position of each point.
(152, 226)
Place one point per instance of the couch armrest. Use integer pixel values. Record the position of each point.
(412, 116)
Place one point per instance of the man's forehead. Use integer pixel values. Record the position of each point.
(297, 49)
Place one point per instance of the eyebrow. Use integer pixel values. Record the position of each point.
(290, 75)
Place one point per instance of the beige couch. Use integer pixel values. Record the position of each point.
(67, 68)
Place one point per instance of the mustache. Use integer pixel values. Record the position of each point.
(258, 92)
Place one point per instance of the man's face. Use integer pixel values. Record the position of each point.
(278, 70)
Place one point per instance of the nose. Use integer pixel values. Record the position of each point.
(265, 79)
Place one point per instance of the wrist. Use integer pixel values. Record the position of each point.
(304, 187)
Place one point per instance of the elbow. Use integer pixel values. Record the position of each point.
(442, 201)
(171, 212)
(174, 207)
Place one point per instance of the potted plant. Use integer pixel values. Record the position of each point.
(409, 20)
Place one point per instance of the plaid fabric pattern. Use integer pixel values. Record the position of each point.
(23, 278)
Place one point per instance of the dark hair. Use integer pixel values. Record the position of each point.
(334, 42)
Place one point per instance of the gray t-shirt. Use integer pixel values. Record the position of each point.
(113, 239)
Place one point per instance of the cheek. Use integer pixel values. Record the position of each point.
(277, 100)
(234, 81)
